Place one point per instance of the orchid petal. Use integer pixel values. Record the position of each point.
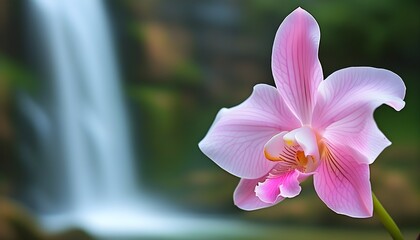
(286, 185)
(345, 105)
(296, 68)
(237, 137)
(359, 130)
(274, 148)
(342, 182)
(291, 185)
(245, 198)
(269, 190)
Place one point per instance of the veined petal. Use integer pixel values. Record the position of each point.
(357, 86)
(342, 182)
(345, 105)
(237, 137)
(296, 68)
(245, 197)
(359, 131)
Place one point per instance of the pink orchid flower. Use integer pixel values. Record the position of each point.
(306, 126)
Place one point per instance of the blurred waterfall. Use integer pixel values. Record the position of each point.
(79, 119)
(76, 148)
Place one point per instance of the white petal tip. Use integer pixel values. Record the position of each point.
(200, 145)
(399, 106)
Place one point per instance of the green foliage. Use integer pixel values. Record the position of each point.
(13, 75)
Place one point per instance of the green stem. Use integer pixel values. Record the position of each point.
(386, 220)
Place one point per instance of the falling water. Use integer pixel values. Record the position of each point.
(79, 156)
(88, 137)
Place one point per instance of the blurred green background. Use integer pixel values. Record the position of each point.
(184, 60)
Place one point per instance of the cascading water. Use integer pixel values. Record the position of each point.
(85, 108)
(80, 156)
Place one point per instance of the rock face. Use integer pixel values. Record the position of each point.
(17, 224)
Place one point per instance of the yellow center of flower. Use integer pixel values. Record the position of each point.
(293, 157)
(289, 143)
(301, 158)
(289, 153)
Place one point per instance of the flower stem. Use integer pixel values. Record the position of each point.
(386, 219)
